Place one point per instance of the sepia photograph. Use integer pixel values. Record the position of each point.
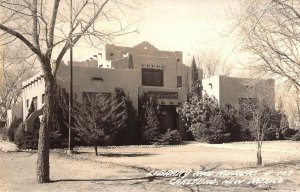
(149, 95)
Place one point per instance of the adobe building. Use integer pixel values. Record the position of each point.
(138, 69)
(233, 90)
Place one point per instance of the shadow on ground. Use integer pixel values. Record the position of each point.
(118, 154)
(147, 179)
(125, 154)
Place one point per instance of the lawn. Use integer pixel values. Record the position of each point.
(154, 168)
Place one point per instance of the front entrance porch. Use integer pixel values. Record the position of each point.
(170, 119)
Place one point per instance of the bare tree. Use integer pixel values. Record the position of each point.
(212, 63)
(292, 107)
(270, 33)
(15, 69)
(43, 27)
(257, 107)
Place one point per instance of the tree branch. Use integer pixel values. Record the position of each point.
(23, 39)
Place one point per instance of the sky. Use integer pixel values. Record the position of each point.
(180, 25)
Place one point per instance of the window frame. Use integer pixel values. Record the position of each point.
(43, 98)
(35, 102)
(151, 76)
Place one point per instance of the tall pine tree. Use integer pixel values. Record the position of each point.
(195, 82)
(150, 118)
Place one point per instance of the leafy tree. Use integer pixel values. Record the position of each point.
(208, 122)
(278, 127)
(196, 114)
(13, 128)
(296, 136)
(217, 132)
(129, 134)
(231, 117)
(171, 137)
(59, 133)
(151, 131)
(27, 139)
(198, 109)
(98, 119)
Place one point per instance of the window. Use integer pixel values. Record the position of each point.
(27, 103)
(152, 77)
(43, 98)
(97, 79)
(179, 81)
(34, 101)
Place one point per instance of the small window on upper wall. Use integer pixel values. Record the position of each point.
(34, 100)
(179, 81)
(210, 84)
(43, 98)
(27, 103)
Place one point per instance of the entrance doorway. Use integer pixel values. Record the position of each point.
(168, 118)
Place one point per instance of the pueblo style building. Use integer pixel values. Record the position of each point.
(138, 69)
(233, 90)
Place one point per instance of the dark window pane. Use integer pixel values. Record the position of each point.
(34, 100)
(179, 81)
(152, 77)
(146, 77)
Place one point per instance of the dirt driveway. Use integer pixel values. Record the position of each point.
(141, 169)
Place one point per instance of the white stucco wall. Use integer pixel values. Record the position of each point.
(33, 87)
(211, 86)
(90, 78)
(228, 90)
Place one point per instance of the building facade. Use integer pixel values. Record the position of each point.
(138, 69)
(233, 90)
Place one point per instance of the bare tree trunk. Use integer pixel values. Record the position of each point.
(44, 138)
(259, 157)
(96, 150)
(298, 103)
